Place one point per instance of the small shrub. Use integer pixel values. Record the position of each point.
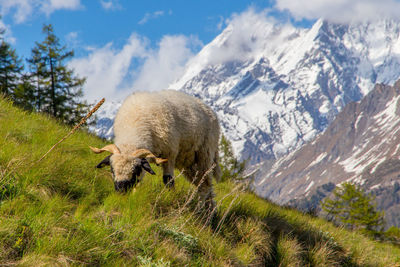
(149, 262)
(184, 240)
(231, 167)
(393, 233)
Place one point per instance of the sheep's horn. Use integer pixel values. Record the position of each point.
(110, 148)
(144, 153)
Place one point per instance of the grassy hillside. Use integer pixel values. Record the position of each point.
(63, 211)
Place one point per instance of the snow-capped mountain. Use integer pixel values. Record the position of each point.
(275, 86)
(278, 86)
(362, 145)
(105, 120)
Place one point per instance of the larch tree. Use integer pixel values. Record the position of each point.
(25, 93)
(354, 208)
(231, 167)
(58, 89)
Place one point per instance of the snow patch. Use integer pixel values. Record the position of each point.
(360, 116)
(325, 107)
(309, 187)
(375, 186)
(377, 164)
(318, 159)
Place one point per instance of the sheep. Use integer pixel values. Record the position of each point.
(169, 128)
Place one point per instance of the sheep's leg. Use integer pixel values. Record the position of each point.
(168, 180)
(168, 173)
(206, 195)
(204, 185)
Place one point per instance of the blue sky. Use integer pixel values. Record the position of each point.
(107, 26)
(127, 45)
(94, 23)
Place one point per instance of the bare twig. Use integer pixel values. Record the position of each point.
(83, 120)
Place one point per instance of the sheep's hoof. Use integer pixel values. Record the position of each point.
(208, 211)
(169, 181)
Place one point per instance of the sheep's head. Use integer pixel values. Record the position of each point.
(127, 169)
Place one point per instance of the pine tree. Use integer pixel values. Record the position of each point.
(231, 168)
(58, 90)
(24, 93)
(38, 78)
(10, 69)
(353, 208)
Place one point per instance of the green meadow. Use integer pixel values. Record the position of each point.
(62, 211)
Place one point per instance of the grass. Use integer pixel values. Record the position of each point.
(62, 211)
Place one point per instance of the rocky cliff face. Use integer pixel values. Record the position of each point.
(362, 145)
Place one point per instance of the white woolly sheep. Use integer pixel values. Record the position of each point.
(169, 128)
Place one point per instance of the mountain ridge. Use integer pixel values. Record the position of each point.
(362, 146)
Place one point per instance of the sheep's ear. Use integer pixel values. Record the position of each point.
(104, 162)
(146, 166)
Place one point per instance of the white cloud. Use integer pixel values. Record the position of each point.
(221, 23)
(49, 6)
(23, 9)
(109, 71)
(248, 35)
(149, 16)
(8, 36)
(106, 67)
(72, 36)
(110, 5)
(242, 38)
(165, 65)
(72, 40)
(341, 10)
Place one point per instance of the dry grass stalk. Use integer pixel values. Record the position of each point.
(83, 120)
(195, 190)
(162, 192)
(240, 188)
(217, 229)
(237, 190)
(219, 204)
(187, 201)
(191, 196)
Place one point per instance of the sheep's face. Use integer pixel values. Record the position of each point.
(126, 170)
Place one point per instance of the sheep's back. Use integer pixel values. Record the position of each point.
(165, 121)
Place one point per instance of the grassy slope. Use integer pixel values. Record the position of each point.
(62, 211)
